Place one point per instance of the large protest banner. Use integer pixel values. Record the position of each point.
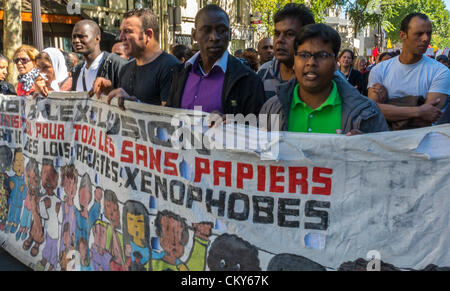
(87, 186)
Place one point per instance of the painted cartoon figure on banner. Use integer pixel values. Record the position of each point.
(51, 213)
(174, 236)
(5, 164)
(69, 180)
(228, 252)
(136, 236)
(18, 192)
(32, 188)
(85, 218)
(291, 262)
(114, 238)
(100, 257)
(83, 250)
(64, 254)
(36, 236)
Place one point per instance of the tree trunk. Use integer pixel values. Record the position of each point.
(12, 35)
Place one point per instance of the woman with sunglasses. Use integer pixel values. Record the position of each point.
(5, 87)
(24, 58)
(53, 72)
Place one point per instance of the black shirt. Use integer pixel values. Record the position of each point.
(151, 82)
(356, 79)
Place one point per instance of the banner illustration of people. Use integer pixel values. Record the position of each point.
(86, 186)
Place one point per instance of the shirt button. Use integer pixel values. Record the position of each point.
(195, 97)
(310, 116)
(309, 129)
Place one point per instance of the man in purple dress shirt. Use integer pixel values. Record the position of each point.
(212, 78)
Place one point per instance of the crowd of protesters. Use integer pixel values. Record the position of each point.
(301, 74)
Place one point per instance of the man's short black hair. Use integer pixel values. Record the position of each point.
(322, 31)
(92, 24)
(442, 57)
(211, 8)
(297, 11)
(405, 22)
(181, 51)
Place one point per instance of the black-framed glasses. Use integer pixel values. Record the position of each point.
(22, 60)
(319, 56)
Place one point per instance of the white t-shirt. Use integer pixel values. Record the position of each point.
(90, 74)
(427, 75)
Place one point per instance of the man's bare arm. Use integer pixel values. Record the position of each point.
(428, 112)
(432, 97)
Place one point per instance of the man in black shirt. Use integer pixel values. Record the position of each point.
(147, 78)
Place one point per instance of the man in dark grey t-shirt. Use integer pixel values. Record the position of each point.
(147, 78)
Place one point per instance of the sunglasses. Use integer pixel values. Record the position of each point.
(22, 60)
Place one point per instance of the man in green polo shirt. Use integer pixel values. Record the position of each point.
(320, 100)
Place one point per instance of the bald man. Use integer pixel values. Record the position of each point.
(86, 37)
(265, 50)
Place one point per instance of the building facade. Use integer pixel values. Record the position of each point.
(57, 23)
(176, 18)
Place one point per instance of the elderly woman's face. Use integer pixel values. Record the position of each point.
(23, 62)
(45, 67)
(362, 65)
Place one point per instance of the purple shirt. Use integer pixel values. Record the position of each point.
(204, 89)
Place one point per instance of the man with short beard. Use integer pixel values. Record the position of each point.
(148, 76)
(288, 21)
(86, 36)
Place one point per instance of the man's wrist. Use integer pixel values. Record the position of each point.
(416, 112)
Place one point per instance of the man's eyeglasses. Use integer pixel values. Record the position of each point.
(22, 60)
(319, 56)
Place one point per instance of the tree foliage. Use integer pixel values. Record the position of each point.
(435, 10)
(268, 8)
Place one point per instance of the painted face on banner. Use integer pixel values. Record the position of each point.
(171, 237)
(100, 236)
(49, 179)
(112, 213)
(32, 181)
(70, 187)
(85, 197)
(136, 228)
(18, 164)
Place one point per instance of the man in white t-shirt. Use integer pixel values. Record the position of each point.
(411, 74)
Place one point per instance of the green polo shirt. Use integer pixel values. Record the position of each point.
(324, 119)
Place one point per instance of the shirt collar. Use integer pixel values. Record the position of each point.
(332, 99)
(96, 63)
(221, 63)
